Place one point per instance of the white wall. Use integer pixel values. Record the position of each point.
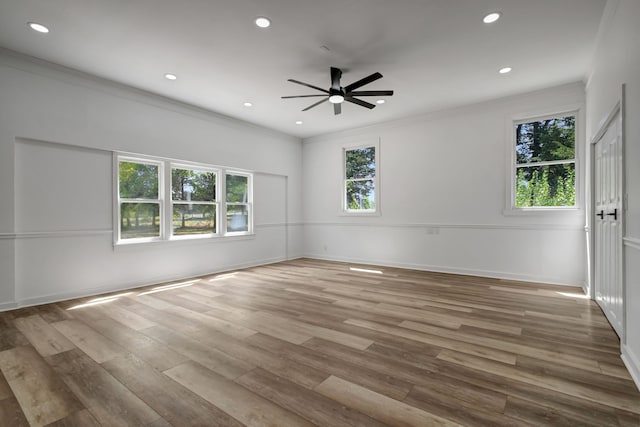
(442, 189)
(57, 131)
(617, 61)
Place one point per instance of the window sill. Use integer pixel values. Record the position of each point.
(551, 212)
(359, 214)
(186, 240)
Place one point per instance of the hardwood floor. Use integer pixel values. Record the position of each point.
(309, 342)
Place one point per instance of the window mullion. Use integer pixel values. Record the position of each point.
(125, 200)
(222, 193)
(545, 163)
(360, 179)
(168, 205)
(192, 202)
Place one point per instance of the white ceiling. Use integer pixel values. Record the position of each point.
(434, 54)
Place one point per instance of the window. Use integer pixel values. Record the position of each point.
(545, 163)
(139, 201)
(237, 202)
(360, 180)
(193, 201)
(193, 208)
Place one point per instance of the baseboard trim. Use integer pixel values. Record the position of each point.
(450, 270)
(64, 296)
(585, 289)
(5, 306)
(632, 362)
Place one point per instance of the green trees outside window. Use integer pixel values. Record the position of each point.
(139, 200)
(360, 174)
(193, 195)
(159, 199)
(545, 163)
(237, 198)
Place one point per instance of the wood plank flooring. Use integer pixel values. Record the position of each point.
(308, 342)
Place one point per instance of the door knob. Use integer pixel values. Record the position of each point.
(601, 214)
(614, 214)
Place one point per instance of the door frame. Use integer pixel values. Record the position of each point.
(619, 107)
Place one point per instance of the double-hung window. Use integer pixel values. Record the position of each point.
(360, 187)
(160, 199)
(238, 202)
(194, 206)
(545, 162)
(139, 199)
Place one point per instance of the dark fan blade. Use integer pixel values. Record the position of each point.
(337, 109)
(372, 78)
(308, 85)
(359, 102)
(336, 73)
(371, 93)
(316, 104)
(300, 96)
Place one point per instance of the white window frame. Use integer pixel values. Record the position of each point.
(172, 203)
(165, 199)
(248, 203)
(512, 166)
(119, 200)
(376, 180)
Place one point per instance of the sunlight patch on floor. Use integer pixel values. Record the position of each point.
(223, 276)
(572, 295)
(168, 287)
(101, 300)
(365, 270)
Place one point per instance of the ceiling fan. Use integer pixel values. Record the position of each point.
(337, 94)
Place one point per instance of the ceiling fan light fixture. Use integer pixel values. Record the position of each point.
(336, 99)
(491, 17)
(263, 22)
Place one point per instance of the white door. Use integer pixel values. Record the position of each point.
(608, 224)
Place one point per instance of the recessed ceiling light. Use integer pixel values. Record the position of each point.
(248, 104)
(263, 22)
(299, 122)
(38, 27)
(491, 18)
(170, 76)
(380, 101)
(505, 70)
